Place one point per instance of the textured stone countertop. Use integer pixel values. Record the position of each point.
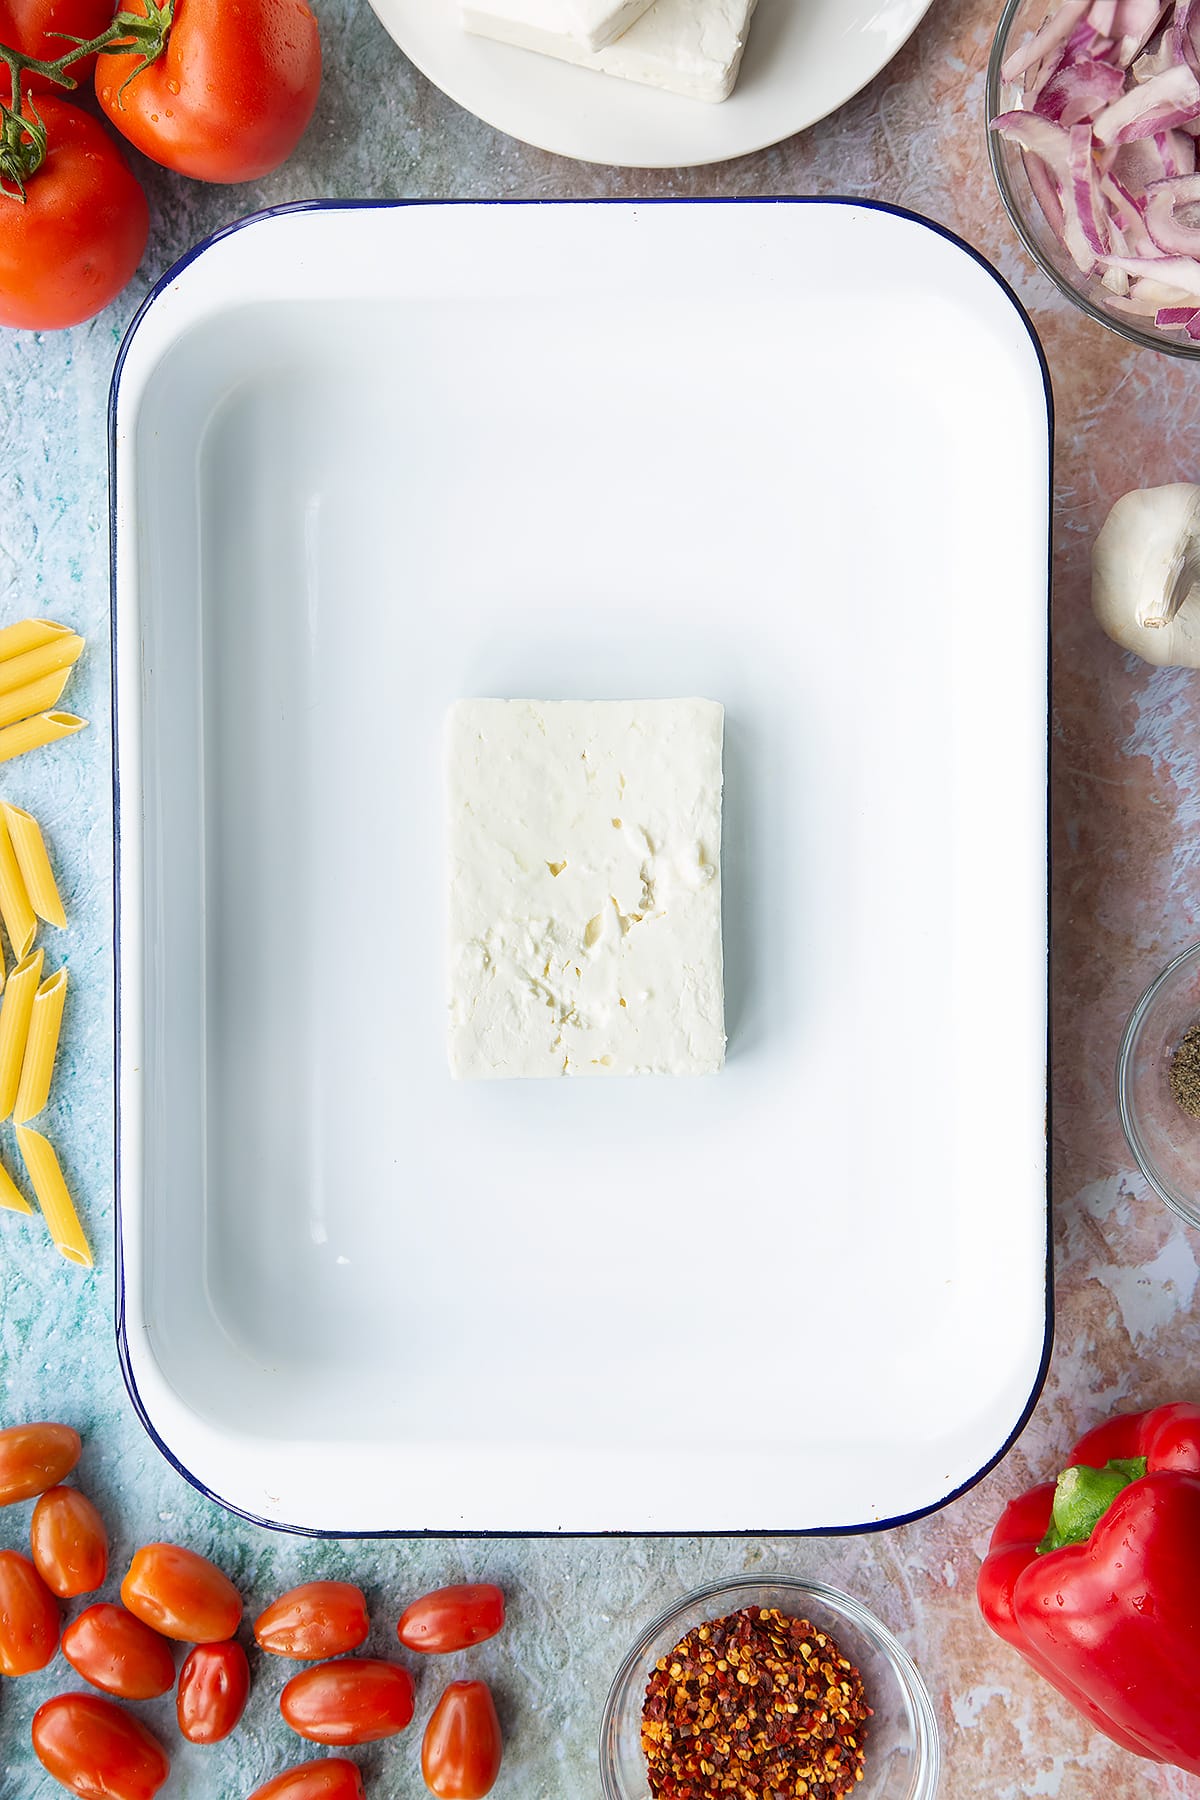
(1126, 845)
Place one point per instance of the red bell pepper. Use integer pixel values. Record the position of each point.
(1095, 1579)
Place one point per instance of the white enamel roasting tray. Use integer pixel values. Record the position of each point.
(793, 456)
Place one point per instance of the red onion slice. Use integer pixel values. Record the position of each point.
(1164, 201)
(1157, 105)
(1078, 92)
(1054, 32)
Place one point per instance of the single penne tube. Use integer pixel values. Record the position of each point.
(11, 1197)
(41, 889)
(41, 1047)
(58, 1209)
(20, 921)
(31, 734)
(34, 697)
(16, 1009)
(31, 665)
(30, 634)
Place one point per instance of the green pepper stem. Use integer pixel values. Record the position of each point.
(1082, 1495)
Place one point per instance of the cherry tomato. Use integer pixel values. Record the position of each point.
(333, 1778)
(28, 1617)
(64, 254)
(32, 27)
(116, 1652)
(32, 1457)
(214, 1685)
(229, 98)
(319, 1618)
(462, 1747)
(181, 1594)
(69, 1543)
(97, 1749)
(353, 1701)
(452, 1618)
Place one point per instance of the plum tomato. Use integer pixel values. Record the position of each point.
(214, 1685)
(69, 1543)
(462, 1747)
(452, 1618)
(118, 1653)
(332, 1778)
(29, 1620)
(42, 29)
(319, 1618)
(353, 1701)
(181, 1594)
(66, 250)
(230, 96)
(97, 1749)
(33, 1457)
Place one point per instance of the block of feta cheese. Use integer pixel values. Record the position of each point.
(584, 844)
(549, 25)
(690, 47)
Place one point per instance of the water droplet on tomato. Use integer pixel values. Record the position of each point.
(172, 87)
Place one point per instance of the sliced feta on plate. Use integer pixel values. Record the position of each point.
(689, 47)
(548, 25)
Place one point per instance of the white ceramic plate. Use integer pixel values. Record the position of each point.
(804, 59)
(371, 459)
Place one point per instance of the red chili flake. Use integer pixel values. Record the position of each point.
(755, 1706)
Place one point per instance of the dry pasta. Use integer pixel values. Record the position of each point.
(58, 1209)
(41, 1047)
(31, 734)
(60, 653)
(34, 697)
(16, 1009)
(41, 889)
(30, 634)
(19, 920)
(11, 1197)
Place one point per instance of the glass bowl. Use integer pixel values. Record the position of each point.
(902, 1748)
(1163, 1137)
(1019, 20)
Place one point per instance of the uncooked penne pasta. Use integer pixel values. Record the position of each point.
(19, 919)
(40, 886)
(34, 697)
(41, 1047)
(58, 1208)
(30, 634)
(16, 1009)
(11, 1197)
(31, 665)
(31, 734)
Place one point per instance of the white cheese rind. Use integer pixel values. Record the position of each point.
(689, 47)
(584, 843)
(554, 27)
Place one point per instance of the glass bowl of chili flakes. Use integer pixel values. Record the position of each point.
(772, 1684)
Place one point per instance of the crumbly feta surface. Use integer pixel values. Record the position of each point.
(553, 26)
(585, 888)
(689, 47)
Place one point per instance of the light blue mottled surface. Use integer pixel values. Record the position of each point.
(1126, 1275)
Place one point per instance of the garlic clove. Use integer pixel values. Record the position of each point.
(1146, 574)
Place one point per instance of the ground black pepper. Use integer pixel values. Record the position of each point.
(1184, 1072)
(755, 1706)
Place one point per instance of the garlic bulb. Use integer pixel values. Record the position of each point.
(1146, 574)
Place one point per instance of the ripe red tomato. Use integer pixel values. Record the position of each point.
(462, 1747)
(32, 27)
(69, 1543)
(181, 1594)
(28, 1617)
(97, 1749)
(214, 1685)
(32, 1457)
(64, 254)
(319, 1618)
(333, 1778)
(452, 1618)
(229, 98)
(354, 1701)
(117, 1653)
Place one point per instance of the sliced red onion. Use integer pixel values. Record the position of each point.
(1183, 35)
(1080, 91)
(1103, 17)
(1170, 318)
(1085, 191)
(1173, 235)
(1179, 273)
(1193, 326)
(1178, 152)
(1154, 61)
(1055, 31)
(1134, 25)
(1157, 105)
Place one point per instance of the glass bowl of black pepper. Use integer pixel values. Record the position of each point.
(776, 1672)
(1158, 1084)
